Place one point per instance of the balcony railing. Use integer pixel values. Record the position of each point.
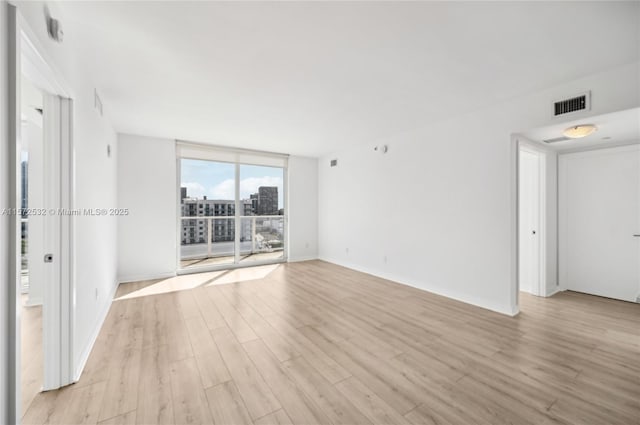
(213, 237)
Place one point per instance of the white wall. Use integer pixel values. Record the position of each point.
(147, 187)
(95, 237)
(4, 220)
(303, 208)
(440, 205)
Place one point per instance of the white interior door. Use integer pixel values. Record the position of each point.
(529, 221)
(50, 257)
(599, 206)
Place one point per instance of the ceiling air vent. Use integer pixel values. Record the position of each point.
(581, 102)
(557, 139)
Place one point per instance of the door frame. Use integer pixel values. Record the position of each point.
(538, 289)
(518, 142)
(26, 56)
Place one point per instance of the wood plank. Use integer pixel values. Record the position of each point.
(213, 370)
(190, 405)
(155, 403)
(128, 418)
(323, 344)
(233, 319)
(278, 417)
(256, 394)
(369, 403)
(84, 404)
(227, 406)
(124, 372)
(296, 403)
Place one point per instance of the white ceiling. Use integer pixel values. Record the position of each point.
(613, 129)
(311, 77)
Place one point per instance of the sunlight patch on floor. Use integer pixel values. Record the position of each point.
(172, 284)
(243, 275)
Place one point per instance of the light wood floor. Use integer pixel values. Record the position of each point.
(316, 343)
(32, 357)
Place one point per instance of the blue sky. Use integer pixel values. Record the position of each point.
(216, 179)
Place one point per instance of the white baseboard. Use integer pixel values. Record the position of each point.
(553, 292)
(148, 276)
(84, 356)
(299, 259)
(509, 311)
(32, 302)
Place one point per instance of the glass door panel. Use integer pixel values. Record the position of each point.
(262, 221)
(207, 205)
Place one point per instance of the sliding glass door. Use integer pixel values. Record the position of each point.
(262, 220)
(231, 213)
(207, 205)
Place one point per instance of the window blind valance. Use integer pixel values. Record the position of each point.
(193, 150)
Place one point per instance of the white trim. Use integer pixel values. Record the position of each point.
(300, 259)
(285, 200)
(141, 277)
(32, 302)
(237, 230)
(46, 76)
(553, 292)
(84, 356)
(178, 203)
(484, 304)
(13, 395)
(514, 286)
(68, 243)
(541, 154)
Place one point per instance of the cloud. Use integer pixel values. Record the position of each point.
(223, 190)
(194, 189)
(226, 189)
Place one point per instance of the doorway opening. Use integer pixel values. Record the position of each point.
(581, 197)
(41, 241)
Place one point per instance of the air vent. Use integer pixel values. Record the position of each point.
(334, 162)
(557, 139)
(578, 103)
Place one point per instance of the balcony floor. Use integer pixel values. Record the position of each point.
(218, 261)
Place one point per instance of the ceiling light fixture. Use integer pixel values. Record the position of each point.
(579, 131)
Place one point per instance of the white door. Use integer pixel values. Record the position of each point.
(599, 213)
(529, 221)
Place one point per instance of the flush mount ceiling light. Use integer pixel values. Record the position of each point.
(579, 131)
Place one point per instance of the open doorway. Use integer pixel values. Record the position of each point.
(581, 197)
(41, 242)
